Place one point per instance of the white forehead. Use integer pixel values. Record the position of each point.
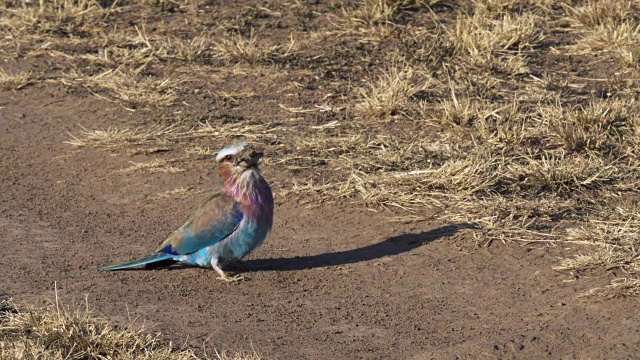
(231, 150)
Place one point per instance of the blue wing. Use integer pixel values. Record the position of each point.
(216, 217)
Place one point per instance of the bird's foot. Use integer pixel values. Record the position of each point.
(231, 279)
(223, 275)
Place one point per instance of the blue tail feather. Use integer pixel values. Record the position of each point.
(157, 257)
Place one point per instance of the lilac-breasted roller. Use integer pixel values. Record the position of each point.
(228, 224)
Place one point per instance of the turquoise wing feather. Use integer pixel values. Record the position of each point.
(215, 218)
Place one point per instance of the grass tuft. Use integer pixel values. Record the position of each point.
(55, 332)
(618, 288)
(15, 81)
(392, 92)
(595, 13)
(600, 126)
(372, 12)
(61, 18)
(496, 45)
(250, 50)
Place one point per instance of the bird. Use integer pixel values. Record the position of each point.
(229, 223)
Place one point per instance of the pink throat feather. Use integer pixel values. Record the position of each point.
(246, 187)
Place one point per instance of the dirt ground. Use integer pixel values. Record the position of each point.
(336, 281)
(404, 140)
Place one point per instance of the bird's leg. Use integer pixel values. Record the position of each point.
(223, 276)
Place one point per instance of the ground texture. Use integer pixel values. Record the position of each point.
(452, 179)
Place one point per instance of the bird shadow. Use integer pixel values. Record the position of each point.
(392, 246)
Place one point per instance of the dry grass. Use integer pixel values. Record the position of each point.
(391, 93)
(595, 13)
(507, 166)
(114, 137)
(622, 287)
(155, 166)
(608, 28)
(57, 332)
(372, 12)
(496, 45)
(15, 81)
(601, 126)
(59, 18)
(619, 41)
(372, 20)
(198, 49)
(616, 236)
(251, 50)
(494, 8)
(57, 335)
(129, 89)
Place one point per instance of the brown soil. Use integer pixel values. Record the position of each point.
(335, 281)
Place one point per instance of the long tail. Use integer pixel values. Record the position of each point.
(153, 258)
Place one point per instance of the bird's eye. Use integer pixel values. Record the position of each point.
(228, 157)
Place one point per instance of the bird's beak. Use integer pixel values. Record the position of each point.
(250, 157)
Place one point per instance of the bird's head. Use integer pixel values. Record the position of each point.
(240, 176)
(239, 159)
